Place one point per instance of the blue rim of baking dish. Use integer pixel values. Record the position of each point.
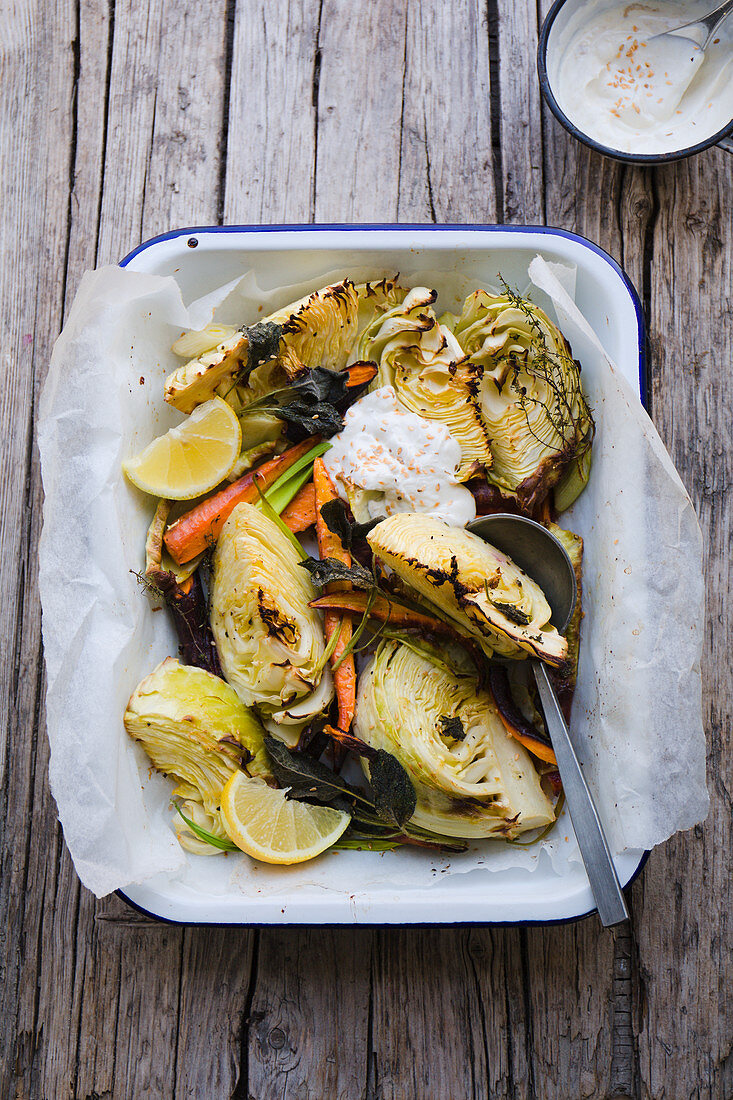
(192, 232)
(325, 227)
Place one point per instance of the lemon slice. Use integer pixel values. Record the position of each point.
(275, 829)
(191, 458)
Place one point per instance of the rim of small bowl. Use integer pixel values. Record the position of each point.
(586, 139)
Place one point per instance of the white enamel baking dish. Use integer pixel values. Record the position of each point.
(203, 258)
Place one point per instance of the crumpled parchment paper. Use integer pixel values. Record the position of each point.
(637, 715)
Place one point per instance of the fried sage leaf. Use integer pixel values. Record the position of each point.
(308, 779)
(394, 795)
(264, 341)
(325, 570)
(311, 781)
(336, 517)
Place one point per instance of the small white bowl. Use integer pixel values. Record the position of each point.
(557, 19)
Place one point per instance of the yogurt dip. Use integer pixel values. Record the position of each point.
(388, 460)
(635, 95)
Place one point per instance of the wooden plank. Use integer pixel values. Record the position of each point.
(359, 101)
(685, 898)
(446, 163)
(515, 113)
(82, 1015)
(164, 121)
(308, 1017)
(167, 130)
(271, 149)
(446, 1022)
(183, 183)
(216, 971)
(572, 1011)
(35, 132)
(304, 1011)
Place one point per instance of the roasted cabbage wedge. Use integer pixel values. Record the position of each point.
(320, 330)
(531, 398)
(317, 331)
(195, 729)
(471, 778)
(375, 299)
(426, 366)
(209, 374)
(270, 642)
(480, 589)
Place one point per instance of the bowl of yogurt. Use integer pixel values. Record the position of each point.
(632, 96)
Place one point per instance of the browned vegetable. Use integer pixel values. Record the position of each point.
(199, 529)
(329, 546)
(535, 741)
(300, 514)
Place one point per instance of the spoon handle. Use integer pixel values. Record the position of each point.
(588, 829)
(709, 23)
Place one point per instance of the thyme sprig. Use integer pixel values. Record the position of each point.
(567, 412)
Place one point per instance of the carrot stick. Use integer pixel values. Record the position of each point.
(329, 546)
(531, 744)
(514, 722)
(383, 609)
(199, 528)
(407, 621)
(359, 374)
(300, 514)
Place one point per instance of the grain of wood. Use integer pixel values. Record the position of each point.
(83, 1017)
(684, 931)
(446, 167)
(113, 123)
(309, 1015)
(272, 115)
(359, 110)
(216, 970)
(183, 177)
(440, 1029)
(35, 131)
(516, 114)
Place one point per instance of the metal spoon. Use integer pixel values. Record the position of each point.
(708, 23)
(535, 550)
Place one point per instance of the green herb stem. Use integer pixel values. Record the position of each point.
(204, 834)
(275, 517)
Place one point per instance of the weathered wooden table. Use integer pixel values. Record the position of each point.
(121, 120)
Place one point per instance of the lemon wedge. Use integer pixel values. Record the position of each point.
(191, 458)
(275, 829)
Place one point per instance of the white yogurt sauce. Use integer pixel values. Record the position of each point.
(638, 96)
(388, 460)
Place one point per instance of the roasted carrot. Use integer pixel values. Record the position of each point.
(199, 528)
(385, 610)
(360, 374)
(514, 722)
(329, 546)
(300, 514)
